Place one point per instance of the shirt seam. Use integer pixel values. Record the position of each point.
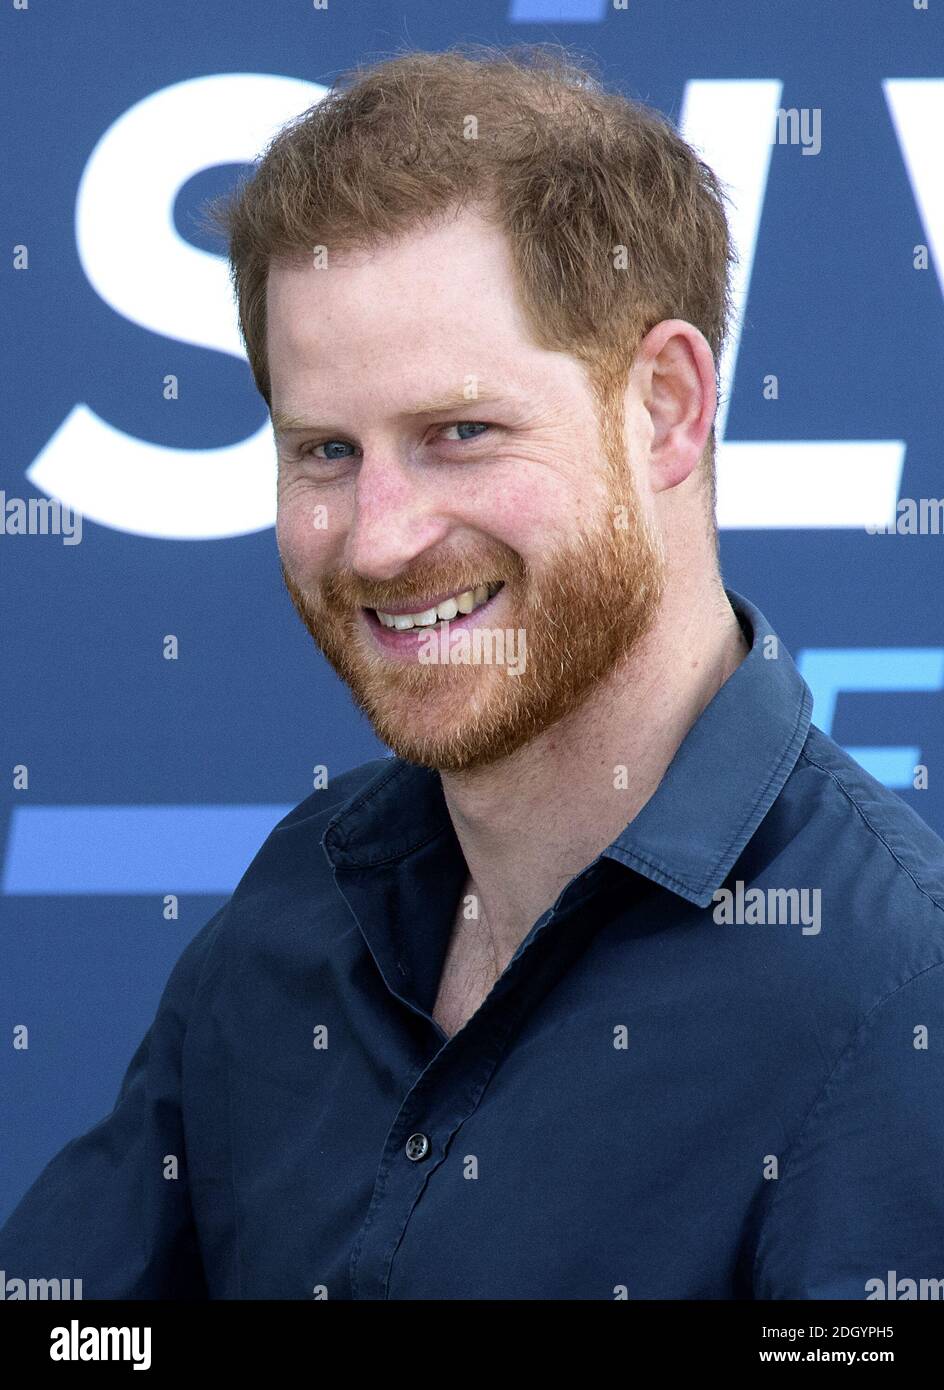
(631, 858)
(874, 829)
(818, 1101)
(349, 860)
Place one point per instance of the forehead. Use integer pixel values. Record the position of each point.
(440, 298)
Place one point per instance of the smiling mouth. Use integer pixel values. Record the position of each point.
(458, 605)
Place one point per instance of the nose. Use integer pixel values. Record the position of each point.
(398, 514)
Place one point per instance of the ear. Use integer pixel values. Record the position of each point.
(675, 378)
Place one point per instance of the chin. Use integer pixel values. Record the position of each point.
(430, 742)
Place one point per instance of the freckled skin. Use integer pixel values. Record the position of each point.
(531, 500)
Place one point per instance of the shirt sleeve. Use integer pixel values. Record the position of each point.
(858, 1210)
(107, 1208)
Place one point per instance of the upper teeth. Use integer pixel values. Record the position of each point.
(465, 602)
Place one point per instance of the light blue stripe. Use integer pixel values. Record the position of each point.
(895, 766)
(563, 11)
(829, 671)
(832, 671)
(134, 849)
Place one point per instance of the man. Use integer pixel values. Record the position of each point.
(619, 979)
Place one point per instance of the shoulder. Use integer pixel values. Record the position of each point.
(867, 876)
(288, 880)
(879, 860)
(864, 1148)
(866, 826)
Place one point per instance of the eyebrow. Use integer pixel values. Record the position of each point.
(284, 423)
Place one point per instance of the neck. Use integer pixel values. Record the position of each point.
(528, 824)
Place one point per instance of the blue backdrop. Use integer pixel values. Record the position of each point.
(128, 777)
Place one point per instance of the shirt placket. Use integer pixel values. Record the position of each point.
(448, 1091)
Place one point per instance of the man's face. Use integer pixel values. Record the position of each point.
(388, 503)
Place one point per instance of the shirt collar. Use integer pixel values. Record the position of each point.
(727, 772)
(723, 779)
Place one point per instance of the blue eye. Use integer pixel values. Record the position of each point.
(467, 425)
(308, 450)
(333, 445)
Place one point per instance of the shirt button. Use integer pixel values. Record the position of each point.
(417, 1147)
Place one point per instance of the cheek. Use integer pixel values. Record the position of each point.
(531, 511)
(306, 538)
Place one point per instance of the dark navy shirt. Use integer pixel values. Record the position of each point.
(653, 1101)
